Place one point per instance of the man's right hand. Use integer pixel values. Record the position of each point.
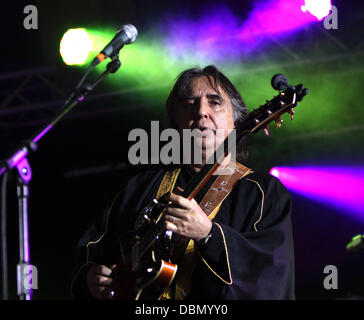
(100, 281)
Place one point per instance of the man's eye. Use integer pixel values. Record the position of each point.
(215, 103)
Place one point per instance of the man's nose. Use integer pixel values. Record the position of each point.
(202, 109)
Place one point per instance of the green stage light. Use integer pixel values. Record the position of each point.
(147, 66)
(149, 69)
(75, 46)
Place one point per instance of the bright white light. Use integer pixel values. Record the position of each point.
(274, 172)
(318, 8)
(75, 46)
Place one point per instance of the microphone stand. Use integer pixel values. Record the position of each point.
(18, 160)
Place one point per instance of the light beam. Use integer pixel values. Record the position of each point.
(342, 187)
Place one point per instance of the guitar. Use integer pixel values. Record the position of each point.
(144, 275)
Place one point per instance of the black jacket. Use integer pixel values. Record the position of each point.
(249, 255)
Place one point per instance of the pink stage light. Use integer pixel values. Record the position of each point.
(341, 187)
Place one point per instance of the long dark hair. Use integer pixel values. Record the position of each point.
(216, 79)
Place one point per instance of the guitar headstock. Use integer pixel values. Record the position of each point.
(272, 110)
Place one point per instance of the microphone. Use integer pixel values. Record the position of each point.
(279, 82)
(126, 34)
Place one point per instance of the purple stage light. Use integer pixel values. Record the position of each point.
(212, 37)
(319, 8)
(275, 18)
(342, 187)
(220, 34)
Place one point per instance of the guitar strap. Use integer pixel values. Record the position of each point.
(168, 182)
(210, 204)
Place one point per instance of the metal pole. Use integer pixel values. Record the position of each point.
(23, 290)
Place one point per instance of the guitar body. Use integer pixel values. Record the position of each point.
(148, 282)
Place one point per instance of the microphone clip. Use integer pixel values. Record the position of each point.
(114, 64)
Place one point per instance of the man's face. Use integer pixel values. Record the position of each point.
(207, 111)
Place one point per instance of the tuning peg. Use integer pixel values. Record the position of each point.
(279, 122)
(291, 113)
(266, 130)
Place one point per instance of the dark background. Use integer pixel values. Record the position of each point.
(82, 163)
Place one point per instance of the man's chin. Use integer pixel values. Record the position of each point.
(205, 143)
(203, 157)
(206, 148)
